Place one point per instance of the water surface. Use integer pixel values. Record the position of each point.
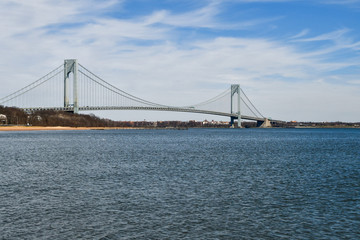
(169, 184)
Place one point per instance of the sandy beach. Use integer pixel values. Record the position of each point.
(40, 128)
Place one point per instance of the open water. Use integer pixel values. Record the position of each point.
(169, 184)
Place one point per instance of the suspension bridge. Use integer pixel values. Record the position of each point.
(72, 87)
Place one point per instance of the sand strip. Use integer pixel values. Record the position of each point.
(40, 128)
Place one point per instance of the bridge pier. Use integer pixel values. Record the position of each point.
(263, 124)
(232, 121)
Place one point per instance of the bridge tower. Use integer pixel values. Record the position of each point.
(235, 89)
(71, 66)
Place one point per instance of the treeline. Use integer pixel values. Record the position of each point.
(294, 124)
(16, 116)
(59, 118)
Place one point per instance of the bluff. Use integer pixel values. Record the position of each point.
(16, 116)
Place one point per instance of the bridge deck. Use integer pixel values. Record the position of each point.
(171, 109)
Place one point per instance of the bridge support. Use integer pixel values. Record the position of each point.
(232, 120)
(235, 88)
(71, 66)
(264, 124)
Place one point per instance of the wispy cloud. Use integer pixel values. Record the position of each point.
(203, 17)
(332, 36)
(255, 1)
(341, 2)
(300, 34)
(336, 41)
(20, 16)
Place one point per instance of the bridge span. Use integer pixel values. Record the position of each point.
(72, 87)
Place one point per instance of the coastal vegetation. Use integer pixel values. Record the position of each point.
(16, 116)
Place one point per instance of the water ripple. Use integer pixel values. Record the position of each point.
(195, 184)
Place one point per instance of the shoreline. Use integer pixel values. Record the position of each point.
(64, 128)
(53, 128)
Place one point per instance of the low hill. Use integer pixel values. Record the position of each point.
(16, 116)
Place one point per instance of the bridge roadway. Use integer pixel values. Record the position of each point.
(172, 109)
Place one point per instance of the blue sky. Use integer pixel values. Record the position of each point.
(296, 60)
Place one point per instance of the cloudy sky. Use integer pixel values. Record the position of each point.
(296, 60)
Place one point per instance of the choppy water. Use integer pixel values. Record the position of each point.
(166, 184)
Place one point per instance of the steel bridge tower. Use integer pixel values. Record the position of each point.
(235, 89)
(71, 67)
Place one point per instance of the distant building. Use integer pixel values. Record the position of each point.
(3, 119)
(38, 118)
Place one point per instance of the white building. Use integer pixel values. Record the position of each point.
(3, 119)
